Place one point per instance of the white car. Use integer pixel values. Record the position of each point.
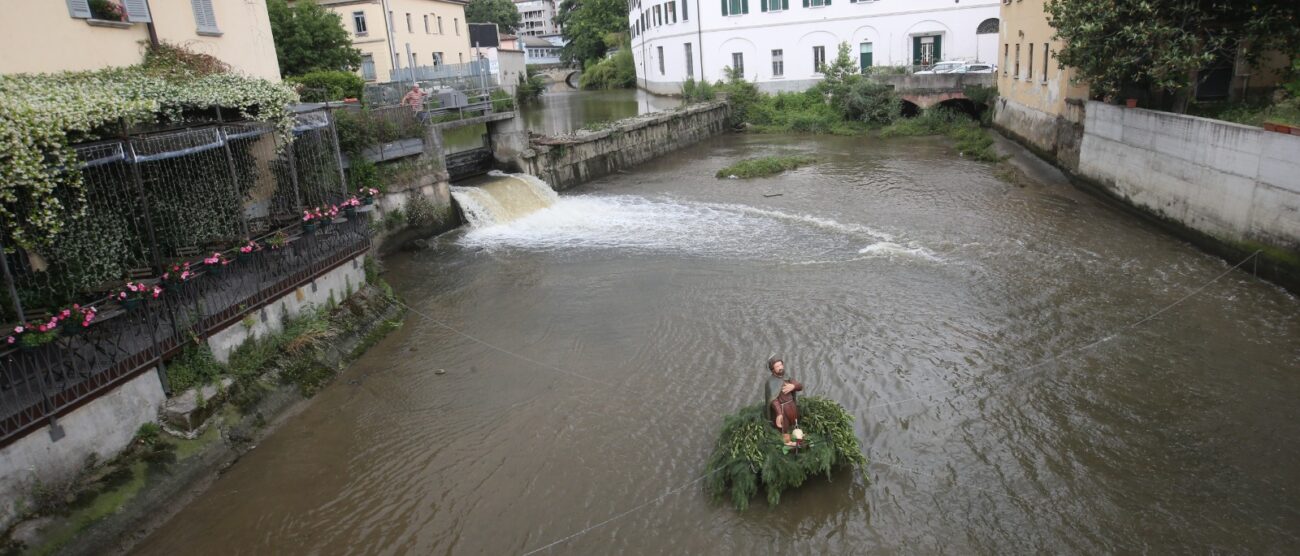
(943, 67)
(978, 68)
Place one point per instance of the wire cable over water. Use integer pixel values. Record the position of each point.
(1078, 349)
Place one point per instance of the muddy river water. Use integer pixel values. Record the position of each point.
(919, 290)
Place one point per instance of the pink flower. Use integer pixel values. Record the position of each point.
(11, 339)
(18, 330)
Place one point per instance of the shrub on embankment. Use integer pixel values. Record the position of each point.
(615, 72)
(749, 452)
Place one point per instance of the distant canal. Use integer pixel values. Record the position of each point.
(563, 110)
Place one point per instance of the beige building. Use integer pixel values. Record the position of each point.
(1039, 103)
(46, 36)
(414, 33)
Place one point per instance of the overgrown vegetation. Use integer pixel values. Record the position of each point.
(697, 91)
(749, 452)
(1283, 108)
(362, 129)
(614, 72)
(195, 366)
(764, 166)
(323, 86)
(531, 86)
(971, 140)
(310, 38)
(43, 114)
(501, 101)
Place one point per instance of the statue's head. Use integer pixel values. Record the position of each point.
(776, 366)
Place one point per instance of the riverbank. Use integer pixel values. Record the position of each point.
(109, 506)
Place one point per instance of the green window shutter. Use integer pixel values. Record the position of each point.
(762, 5)
(826, 3)
(724, 7)
(744, 6)
(938, 50)
(79, 9)
(805, 3)
(785, 4)
(916, 50)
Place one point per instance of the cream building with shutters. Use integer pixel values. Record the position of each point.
(47, 36)
(396, 34)
(779, 44)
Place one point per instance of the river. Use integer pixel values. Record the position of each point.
(562, 110)
(928, 296)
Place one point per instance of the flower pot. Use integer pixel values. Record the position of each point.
(132, 303)
(349, 211)
(368, 200)
(71, 329)
(217, 269)
(309, 227)
(1131, 103)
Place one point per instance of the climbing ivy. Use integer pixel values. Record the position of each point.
(43, 114)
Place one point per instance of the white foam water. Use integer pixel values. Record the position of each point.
(520, 211)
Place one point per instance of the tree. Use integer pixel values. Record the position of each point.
(310, 38)
(501, 12)
(1159, 45)
(593, 27)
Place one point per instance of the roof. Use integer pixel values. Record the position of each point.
(536, 42)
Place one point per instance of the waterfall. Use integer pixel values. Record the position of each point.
(507, 197)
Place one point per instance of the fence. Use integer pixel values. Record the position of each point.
(461, 77)
(168, 212)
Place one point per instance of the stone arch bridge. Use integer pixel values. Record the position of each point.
(568, 76)
(926, 91)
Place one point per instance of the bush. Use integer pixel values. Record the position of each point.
(195, 366)
(501, 101)
(697, 91)
(363, 173)
(743, 97)
(864, 100)
(322, 86)
(615, 72)
(531, 86)
(749, 452)
(764, 166)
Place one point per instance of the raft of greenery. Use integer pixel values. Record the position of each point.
(749, 452)
(764, 166)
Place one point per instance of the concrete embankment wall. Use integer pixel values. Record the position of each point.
(568, 161)
(1229, 188)
(1232, 188)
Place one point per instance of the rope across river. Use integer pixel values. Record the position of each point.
(1084, 347)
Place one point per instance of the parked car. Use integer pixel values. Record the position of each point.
(943, 67)
(978, 68)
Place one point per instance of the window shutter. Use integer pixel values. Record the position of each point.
(785, 4)
(686, 14)
(744, 6)
(826, 3)
(762, 5)
(724, 7)
(204, 15)
(79, 9)
(137, 11)
(805, 3)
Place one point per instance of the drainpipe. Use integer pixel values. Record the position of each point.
(699, 29)
(388, 34)
(153, 33)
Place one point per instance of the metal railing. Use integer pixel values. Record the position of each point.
(154, 207)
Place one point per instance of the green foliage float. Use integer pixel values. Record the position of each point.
(749, 452)
(763, 166)
(310, 38)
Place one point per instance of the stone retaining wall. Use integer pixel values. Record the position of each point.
(567, 161)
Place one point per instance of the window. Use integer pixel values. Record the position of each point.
(1016, 75)
(778, 63)
(735, 7)
(864, 56)
(738, 63)
(455, 22)
(690, 60)
(409, 29)
(359, 23)
(437, 59)
(461, 56)
(659, 16)
(660, 52)
(368, 67)
(426, 24)
(1046, 56)
(819, 58)
(671, 12)
(1030, 66)
(415, 59)
(392, 23)
(686, 14)
(205, 17)
(439, 25)
(1006, 57)
(774, 5)
(816, 3)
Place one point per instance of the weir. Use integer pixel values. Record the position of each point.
(504, 198)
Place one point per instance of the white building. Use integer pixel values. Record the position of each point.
(780, 43)
(539, 51)
(537, 17)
